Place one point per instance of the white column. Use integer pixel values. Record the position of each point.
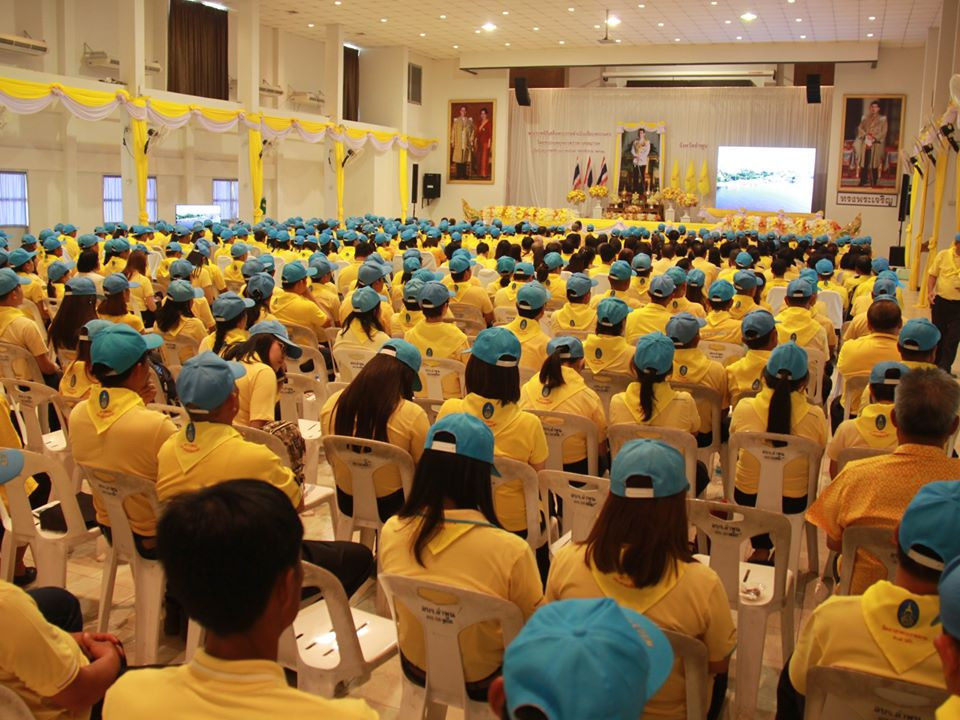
(68, 43)
(248, 91)
(333, 73)
(130, 50)
(70, 171)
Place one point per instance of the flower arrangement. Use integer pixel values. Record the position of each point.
(576, 196)
(688, 200)
(598, 191)
(515, 213)
(671, 193)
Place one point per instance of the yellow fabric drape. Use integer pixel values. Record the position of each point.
(704, 183)
(914, 186)
(402, 160)
(690, 179)
(918, 236)
(956, 204)
(338, 150)
(675, 175)
(255, 148)
(939, 188)
(138, 135)
(615, 187)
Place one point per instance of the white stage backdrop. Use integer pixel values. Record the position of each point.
(562, 125)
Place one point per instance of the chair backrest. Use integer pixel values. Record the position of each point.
(30, 402)
(255, 435)
(444, 612)
(505, 314)
(234, 285)
(350, 361)
(173, 347)
(692, 654)
(469, 326)
(723, 352)
(113, 489)
(681, 440)
(153, 262)
(602, 286)
(53, 305)
(840, 694)
(465, 311)
(310, 355)
(16, 361)
(301, 397)
(582, 496)
(560, 426)
(728, 527)
(302, 335)
(30, 309)
(223, 262)
(878, 542)
(435, 370)
(704, 395)
(357, 460)
(12, 706)
(606, 385)
(850, 454)
(430, 406)
(487, 276)
(816, 361)
(773, 460)
(331, 333)
(775, 296)
(834, 304)
(177, 413)
(521, 472)
(852, 390)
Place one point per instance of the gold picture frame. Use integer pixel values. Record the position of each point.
(866, 166)
(651, 180)
(471, 142)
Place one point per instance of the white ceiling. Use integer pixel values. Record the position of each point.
(419, 24)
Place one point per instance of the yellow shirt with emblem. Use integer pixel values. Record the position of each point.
(139, 294)
(442, 341)
(742, 305)
(681, 304)
(130, 319)
(468, 293)
(258, 394)
(691, 601)
(114, 430)
(76, 383)
(691, 366)
(533, 341)
(507, 297)
(465, 552)
(37, 659)
(353, 336)
(652, 317)
(18, 329)
(188, 327)
(671, 408)
(721, 327)
(946, 269)
(404, 320)
(292, 309)
(857, 357)
(871, 429)
(797, 324)
(573, 316)
(608, 354)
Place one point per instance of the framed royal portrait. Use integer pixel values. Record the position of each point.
(640, 158)
(471, 138)
(870, 145)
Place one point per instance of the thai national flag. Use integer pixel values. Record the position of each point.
(577, 180)
(589, 173)
(602, 178)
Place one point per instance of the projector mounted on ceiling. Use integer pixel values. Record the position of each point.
(606, 39)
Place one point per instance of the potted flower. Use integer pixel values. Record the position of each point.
(687, 201)
(599, 192)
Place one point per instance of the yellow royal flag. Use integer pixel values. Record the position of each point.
(675, 175)
(690, 179)
(704, 184)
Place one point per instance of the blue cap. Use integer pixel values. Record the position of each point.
(406, 353)
(654, 351)
(642, 261)
(744, 259)
(950, 592)
(365, 299)
(250, 267)
(320, 261)
(720, 291)
(470, 438)
(580, 284)
(295, 272)
(92, 327)
(677, 274)
(56, 270)
(919, 334)
(620, 270)
(884, 286)
(799, 288)
(260, 286)
(19, 257)
(411, 291)
(589, 658)
(68, 228)
(369, 273)
(497, 346)
(683, 327)
(119, 347)
(824, 267)
(9, 280)
(78, 286)
(434, 294)
(745, 280)
(182, 291)
(888, 372)
(116, 283)
(272, 327)
(411, 264)
(662, 286)
(87, 241)
(788, 359)
(181, 269)
(460, 264)
(229, 306)
(696, 278)
(653, 459)
(928, 531)
(51, 244)
(237, 249)
(524, 270)
(172, 247)
(506, 264)
(206, 381)
(757, 324)
(810, 275)
(570, 347)
(612, 311)
(879, 264)
(532, 296)
(553, 260)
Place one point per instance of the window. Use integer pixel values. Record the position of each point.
(113, 199)
(414, 84)
(225, 194)
(14, 209)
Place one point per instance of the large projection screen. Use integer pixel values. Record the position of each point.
(765, 178)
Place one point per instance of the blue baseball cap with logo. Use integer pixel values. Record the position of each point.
(654, 352)
(677, 274)
(460, 264)
(744, 259)
(553, 260)
(928, 530)
(757, 324)
(642, 261)
(181, 269)
(789, 360)
(586, 658)
(524, 270)
(721, 291)
(229, 306)
(879, 264)
(295, 272)
(532, 296)
(949, 588)
(799, 288)
(570, 348)
(824, 267)
(462, 434)
(620, 270)
(78, 286)
(19, 257)
(506, 265)
(919, 334)
(250, 267)
(87, 241)
(661, 467)
(51, 244)
(580, 284)
(206, 381)
(9, 281)
(406, 353)
(434, 294)
(884, 286)
(497, 346)
(369, 273)
(365, 299)
(696, 278)
(662, 286)
(612, 311)
(683, 327)
(888, 372)
(120, 347)
(260, 286)
(237, 250)
(56, 270)
(117, 283)
(183, 291)
(745, 280)
(278, 331)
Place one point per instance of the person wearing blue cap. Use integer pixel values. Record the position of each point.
(559, 387)
(606, 349)
(505, 265)
(650, 400)
(948, 644)
(700, 262)
(523, 273)
(231, 312)
(578, 313)
(363, 328)
(239, 253)
(52, 252)
(795, 322)
(891, 629)
(449, 531)
(745, 285)
(378, 405)
(826, 283)
(296, 305)
(115, 254)
(918, 342)
(58, 272)
(434, 337)
(176, 318)
(720, 326)
(637, 555)
(621, 278)
(373, 274)
(18, 329)
(410, 313)
(943, 291)
(532, 300)
(653, 316)
(466, 288)
(115, 304)
(680, 302)
(553, 263)
(348, 275)
(745, 375)
(779, 407)
(24, 264)
(883, 290)
(324, 289)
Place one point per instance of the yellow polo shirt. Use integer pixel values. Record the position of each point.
(796, 324)
(407, 428)
(573, 397)
(75, 383)
(234, 271)
(721, 327)
(465, 552)
(139, 294)
(291, 308)
(533, 341)
(950, 710)
(671, 408)
(626, 295)
(258, 394)
(201, 454)
(443, 341)
(857, 328)
(865, 290)
(327, 298)
(208, 688)
(353, 336)
(202, 312)
(190, 327)
(608, 353)
(517, 435)
(806, 421)
(876, 491)
(690, 601)
(37, 660)
(872, 429)
(507, 296)
(742, 305)
(650, 318)
(35, 290)
(857, 357)
(946, 269)
(639, 288)
(573, 316)
(709, 269)
(347, 277)
(887, 631)
(234, 335)
(130, 319)
(470, 294)
(116, 264)
(404, 320)
(17, 329)
(691, 366)
(681, 304)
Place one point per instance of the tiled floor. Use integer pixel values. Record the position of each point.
(383, 690)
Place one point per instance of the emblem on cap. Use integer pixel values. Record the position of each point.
(487, 411)
(191, 432)
(908, 614)
(881, 422)
(104, 399)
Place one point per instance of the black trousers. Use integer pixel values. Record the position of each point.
(790, 703)
(387, 506)
(790, 506)
(945, 314)
(351, 562)
(59, 608)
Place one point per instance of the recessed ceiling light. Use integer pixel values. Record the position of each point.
(803, 37)
(872, 18)
(507, 44)
(536, 29)
(310, 25)
(727, 22)
(659, 24)
(423, 34)
(477, 31)
(337, 3)
(456, 47)
(791, 1)
(617, 40)
(676, 39)
(739, 37)
(713, 2)
(505, 12)
(563, 42)
(596, 27)
(383, 19)
(869, 34)
(798, 19)
(641, 6)
(613, 21)
(570, 9)
(443, 17)
(488, 26)
(748, 16)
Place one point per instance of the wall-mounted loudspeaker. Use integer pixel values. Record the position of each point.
(813, 88)
(522, 91)
(431, 186)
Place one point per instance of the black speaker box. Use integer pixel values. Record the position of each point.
(898, 256)
(522, 91)
(431, 186)
(813, 88)
(904, 208)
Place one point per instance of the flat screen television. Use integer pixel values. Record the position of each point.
(189, 214)
(765, 178)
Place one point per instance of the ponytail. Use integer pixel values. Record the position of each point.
(778, 417)
(543, 272)
(222, 328)
(551, 374)
(506, 279)
(51, 290)
(647, 380)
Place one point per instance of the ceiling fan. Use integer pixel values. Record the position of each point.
(606, 39)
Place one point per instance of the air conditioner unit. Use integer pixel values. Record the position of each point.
(271, 90)
(22, 44)
(98, 58)
(306, 97)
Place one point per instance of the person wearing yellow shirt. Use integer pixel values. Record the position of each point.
(230, 311)
(745, 376)
(948, 646)
(653, 316)
(795, 322)
(778, 271)
(78, 380)
(260, 289)
(679, 303)
(606, 350)
(745, 284)
(142, 297)
(373, 274)
(184, 270)
(559, 387)
(640, 284)
(507, 296)
(651, 400)
(917, 342)
(115, 254)
(553, 282)
(891, 629)
(824, 268)
(620, 276)
(378, 405)
(780, 407)
(410, 313)
(348, 275)
(720, 326)
(58, 273)
(449, 532)
(363, 328)
(296, 304)
(605, 256)
(114, 430)
(235, 674)
(173, 251)
(504, 267)
(466, 293)
(738, 260)
(18, 329)
(882, 289)
(637, 555)
(577, 313)
(323, 289)
(877, 266)
(861, 274)
(115, 304)
(52, 252)
(24, 264)
(943, 291)
(239, 253)
(434, 337)
(666, 260)
(531, 301)
(701, 263)
(176, 319)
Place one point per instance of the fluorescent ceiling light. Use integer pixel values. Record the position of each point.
(489, 26)
(748, 17)
(613, 21)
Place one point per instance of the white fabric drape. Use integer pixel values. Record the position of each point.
(698, 121)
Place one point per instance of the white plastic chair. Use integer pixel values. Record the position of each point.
(21, 524)
(302, 335)
(834, 304)
(560, 426)
(679, 440)
(13, 355)
(606, 385)
(728, 527)
(850, 454)
(176, 413)
(173, 348)
(435, 370)
(835, 693)
(444, 612)
(12, 706)
(602, 286)
(582, 497)
(514, 471)
(692, 654)
(320, 371)
(708, 396)
(30, 309)
(723, 352)
(112, 489)
(153, 263)
(775, 296)
(877, 541)
(468, 314)
(430, 406)
(504, 315)
(852, 392)
(350, 361)
(30, 403)
(816, 361)
(223, 262)
(487, 276)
